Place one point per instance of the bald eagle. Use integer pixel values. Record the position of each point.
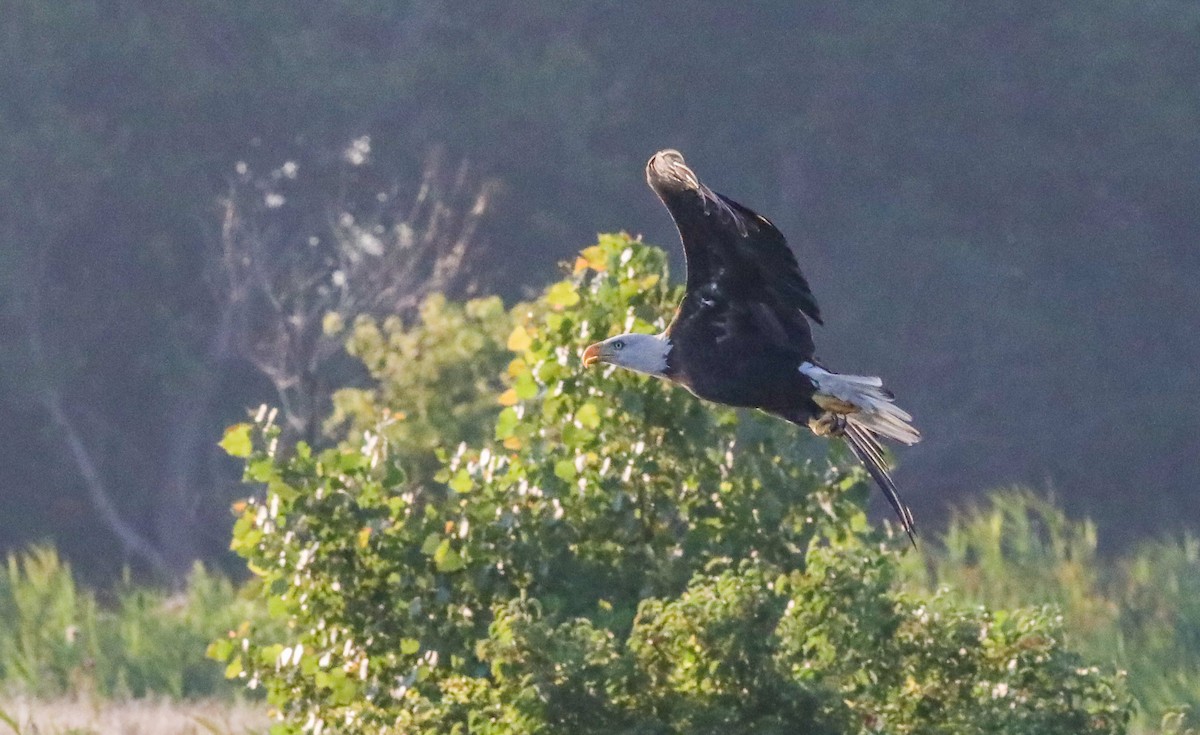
(741, 335)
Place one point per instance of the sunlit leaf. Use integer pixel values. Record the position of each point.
(506, 422)
(260, 470)
(519, 340)
(562, 295)
(236, 441)
(219, 649)
(564, 469)
(461, 482)
(525, 386)
(588, 415)
(446, 559)
(594, 257)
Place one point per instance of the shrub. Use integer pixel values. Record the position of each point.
(1138, 611)
(613, 557)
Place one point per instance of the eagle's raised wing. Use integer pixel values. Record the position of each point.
(730, 248)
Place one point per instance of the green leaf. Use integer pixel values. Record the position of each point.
(519, 340)
(394, 475)
(525, 386)
(268, 655)
(446, 559)
(236, 441)
(286, 492)
(564, 469)
(461, 482)
(219, 649)
(506, 423)
(341, 687)
(260, 470)
(352, 461)
(409, 646)
(562, 295)
(430, 545)
(588, 415)
(278, 607)
(595, 257)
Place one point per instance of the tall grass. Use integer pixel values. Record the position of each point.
(1140, 612)
(56, 638)
(1158, 593)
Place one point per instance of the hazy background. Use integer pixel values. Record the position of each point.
(996, 206)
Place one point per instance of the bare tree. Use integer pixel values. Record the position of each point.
(49, 394)
(369, 252)
(289, 253)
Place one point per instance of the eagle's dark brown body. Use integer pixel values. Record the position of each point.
(720, 352)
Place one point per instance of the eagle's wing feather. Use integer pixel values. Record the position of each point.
(728, 246)
(776, 265)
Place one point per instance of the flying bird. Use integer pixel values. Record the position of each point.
(742, 335)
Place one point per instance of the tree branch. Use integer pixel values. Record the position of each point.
(133, 542)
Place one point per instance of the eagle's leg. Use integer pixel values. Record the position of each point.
(828, 424)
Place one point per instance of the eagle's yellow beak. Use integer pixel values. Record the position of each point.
(591, 355)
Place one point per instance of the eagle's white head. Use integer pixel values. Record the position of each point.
(641, 353)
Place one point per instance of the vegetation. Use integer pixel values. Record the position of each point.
(1137, 611)
(505, 540)
(203, 202)
(614, 557)
(58, 638)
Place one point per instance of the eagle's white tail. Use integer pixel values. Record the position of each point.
(863, 401)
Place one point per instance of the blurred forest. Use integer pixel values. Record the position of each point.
(995, 204)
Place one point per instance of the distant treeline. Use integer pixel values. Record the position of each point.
(995, 205)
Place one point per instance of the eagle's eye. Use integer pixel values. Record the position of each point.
(618, 345)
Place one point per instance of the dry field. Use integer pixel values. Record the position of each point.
(136, 717)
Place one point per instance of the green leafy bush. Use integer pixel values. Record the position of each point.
(1138, 611)
(611, 556)
(434, 387)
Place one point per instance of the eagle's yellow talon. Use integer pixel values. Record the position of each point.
(828, 424)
